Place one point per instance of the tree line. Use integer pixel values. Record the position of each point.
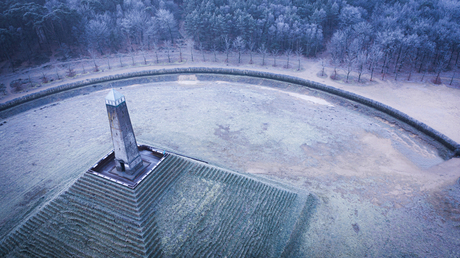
(387, 36)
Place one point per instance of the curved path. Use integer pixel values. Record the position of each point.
(384, 189)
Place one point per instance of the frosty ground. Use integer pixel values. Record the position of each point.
(382, 191)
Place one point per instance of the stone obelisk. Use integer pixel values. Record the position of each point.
(128, 162)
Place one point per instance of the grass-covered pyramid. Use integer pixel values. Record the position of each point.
(184, 208)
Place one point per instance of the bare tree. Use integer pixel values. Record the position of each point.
(251, 45)
(168, 46)
(131, 53)
(337, 48)
(360, 62)
(275, 52)
(453, 75)
(83, 67)
(298, 53)
(143, 52)
(263, 50)
(214, 51)
(190, 43)
(323, 64)
(108, 62)
(92, 53)
(350, 59)
(375, 54)
(57, 73)
(202, 51)
(44, 78)
(70, 71)
(441, 64)
(120, 56)
(411, 58)
(180, 51)
(238, 44)
(155, 49)
(288, 54)
(228, 46)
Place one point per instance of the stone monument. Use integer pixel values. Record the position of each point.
(128, 162)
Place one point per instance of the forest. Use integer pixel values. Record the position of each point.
(387, 36)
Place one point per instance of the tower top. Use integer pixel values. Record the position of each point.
(114, 98)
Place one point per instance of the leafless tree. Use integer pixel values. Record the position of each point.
(251, 45)
(120, 56)
(298, 53)
(44, 78)
(179, 45)
(70, 71)
(228, 46)
(202, 51)
(453, 73)
(155, 49)
(214, 50)
(92, 53)
(288, 54)
(168, 46)
(108, 62)
(263, 50)
(238, 44)
(360, 62)
(275, 52)
(375, 54)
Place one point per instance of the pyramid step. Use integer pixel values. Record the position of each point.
(59, 248)
(107, 184)
(101, 227)
(105, 202)
(197, 170)
(100, 212)
(151, 233)
(99, 195)
(160, 187)
(155, 175)
(98, 185)
(23, 253)
(29, 251)
(9, 244)
(106, 193)
(155, 249)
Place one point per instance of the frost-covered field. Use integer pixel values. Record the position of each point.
(383, 190)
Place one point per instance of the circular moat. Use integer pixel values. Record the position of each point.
(382, 186)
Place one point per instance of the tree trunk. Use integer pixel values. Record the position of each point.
(421, 63)
(384, 62)
(397, 59)
(437, 80)
(456, 60)
(410, 72)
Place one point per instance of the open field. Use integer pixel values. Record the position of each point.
(383, 190)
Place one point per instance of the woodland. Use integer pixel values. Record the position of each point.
(378, 35)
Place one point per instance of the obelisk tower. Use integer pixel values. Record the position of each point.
(127, 159)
